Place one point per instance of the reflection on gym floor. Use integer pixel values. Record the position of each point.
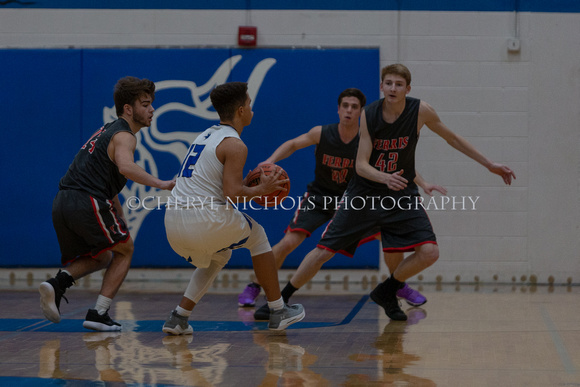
(496, 336)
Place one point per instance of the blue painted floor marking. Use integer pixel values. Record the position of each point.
(41, 382)
(76, 325)
(559, 344)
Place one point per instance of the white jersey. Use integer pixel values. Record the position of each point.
(199, 225)
(200, 180)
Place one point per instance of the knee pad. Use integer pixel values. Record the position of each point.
(258, 241)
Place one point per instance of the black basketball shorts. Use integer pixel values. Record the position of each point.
(311, 213)
(402, 228)
(314, 211)
(85, 226)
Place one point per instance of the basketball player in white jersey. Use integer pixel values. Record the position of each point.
(202, 222)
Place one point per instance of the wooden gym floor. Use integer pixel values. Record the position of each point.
(484, 335)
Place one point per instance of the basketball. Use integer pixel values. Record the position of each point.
(274, 198)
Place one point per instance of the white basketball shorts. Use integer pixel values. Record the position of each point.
(202, 234)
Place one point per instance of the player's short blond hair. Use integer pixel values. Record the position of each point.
(397, 69)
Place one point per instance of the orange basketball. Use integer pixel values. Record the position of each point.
(274, 198)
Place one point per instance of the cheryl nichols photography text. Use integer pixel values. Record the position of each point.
(289, 203)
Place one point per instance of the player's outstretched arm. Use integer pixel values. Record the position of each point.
(429, 117)
(121, 151)
(428, 187)
(312, 137)
(394, 181)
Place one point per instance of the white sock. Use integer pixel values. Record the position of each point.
(183, 312)
(276, 305)
(103, 304)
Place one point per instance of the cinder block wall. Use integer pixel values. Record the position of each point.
(517, 107)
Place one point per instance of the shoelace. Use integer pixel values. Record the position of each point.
(63, 296)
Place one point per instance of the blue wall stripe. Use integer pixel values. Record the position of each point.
(339, 5)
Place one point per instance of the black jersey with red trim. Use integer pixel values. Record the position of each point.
(393, 146)
(92, 170)
(334, 163)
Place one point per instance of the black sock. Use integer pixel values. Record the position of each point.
(64, 280)
(254, 285)
(393, 283)
(288, 291)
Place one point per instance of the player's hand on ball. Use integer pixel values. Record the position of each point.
(273, 182)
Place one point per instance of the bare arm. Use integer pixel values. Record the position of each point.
(232, 153)
(428, 187)
(121, 151)
(394, 181)
(429, 117)
(312, 137)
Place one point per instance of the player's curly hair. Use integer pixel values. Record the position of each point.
(226, 98)
(130, 89)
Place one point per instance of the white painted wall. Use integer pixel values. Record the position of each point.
(519, 108)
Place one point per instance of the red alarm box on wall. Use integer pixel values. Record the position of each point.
(247, 35)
